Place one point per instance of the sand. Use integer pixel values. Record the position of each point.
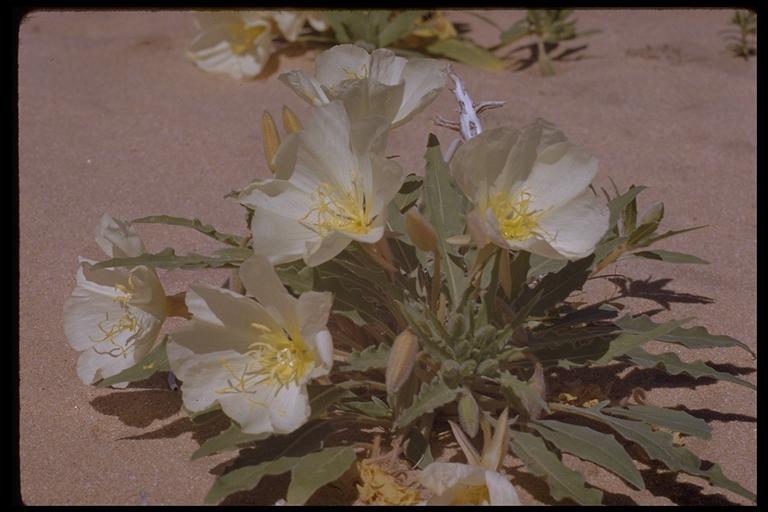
(112, 118)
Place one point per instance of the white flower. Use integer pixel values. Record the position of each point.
(235, 43)
(378, 83)
(453, 483)
(331, 187)
(114, 314)
(290, 23)
(530, 191)
(476, 483)
(253, 358)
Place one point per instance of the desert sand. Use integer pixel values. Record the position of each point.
(113, 118)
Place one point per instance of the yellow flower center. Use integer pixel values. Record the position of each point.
(242, 37)
(380, 488)
(275, 358)
(350, 74)
(110, 330)
(338, 209)
(516, 222)
(472, 495)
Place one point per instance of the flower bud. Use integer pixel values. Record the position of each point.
(420, 231)
(402, 357)
(271, 139)
(291, 123)
(469, 414)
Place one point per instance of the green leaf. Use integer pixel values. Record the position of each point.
(659, 446)
(563, 482)
(248, 477)
(541, 265)
(376, 408)
(517, 31)
(317, 469)
(445, 208)
(320, 399)
(155, 361)
(670, 256)
(272, 456)
(195, 224)
(465, 51)
(167, 258)
(588, 444)
(336, 20)
(678, 421)
(692, 337)
(617, 204)
(668, 234)
(605, 248)
(431, 396)
(297, 275)
(400, 26)
(672, 364)
(555, 288)
(525, 398)
(226, 440)
(370, 357)
(648, 224)
(626, 342)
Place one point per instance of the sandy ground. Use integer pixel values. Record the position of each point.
(114, 119)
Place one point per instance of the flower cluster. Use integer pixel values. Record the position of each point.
(361, 294)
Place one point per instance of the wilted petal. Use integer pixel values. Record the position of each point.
(117, 239)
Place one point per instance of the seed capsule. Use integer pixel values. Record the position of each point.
(402, 357)
(420, 231)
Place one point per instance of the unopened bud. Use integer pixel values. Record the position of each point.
(271, 139)
(420, 231)
(291, 123)
(402, 357)
(469, 414)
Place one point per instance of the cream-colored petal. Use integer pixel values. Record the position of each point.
(317, 21)
(305, 86)
(440, 477)
(324, 154)
(522, 155)
(321, 250)
(117, 239)
(205, 377)
(340, 63)
(282, 219)
(424, 80)
(366, 98)
(225, 308)
(500, 490)
(387, 177)
(561, 172)
(289, 23)
(249, 410)
(289, 409)
(313, 309)
(386, 67)
(323, 346)
(261, 282)
(477, 163)
(574, 228)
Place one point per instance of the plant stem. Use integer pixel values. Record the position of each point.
(544, 62)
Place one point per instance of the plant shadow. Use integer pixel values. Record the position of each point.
(654, 290)
(571, 54)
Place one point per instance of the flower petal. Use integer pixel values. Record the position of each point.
(337, 64)
(479, 161)
(500, 490)
(305, 86)
(261, 282)
(117, 239)
(561, 172)
(440, 477)
(574, 228)
(424, 80)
